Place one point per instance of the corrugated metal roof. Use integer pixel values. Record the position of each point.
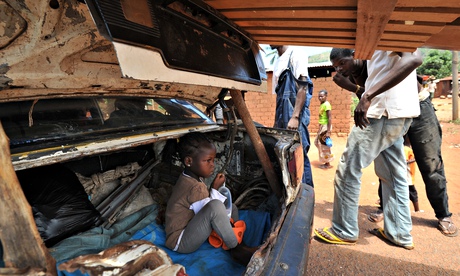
(320, 64)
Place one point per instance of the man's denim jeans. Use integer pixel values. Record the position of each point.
(381, 142)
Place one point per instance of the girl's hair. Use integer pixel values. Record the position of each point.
(323, 91)
(190, 144)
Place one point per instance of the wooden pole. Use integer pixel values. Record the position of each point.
(454, 85)
(256, 141)
(23, 249)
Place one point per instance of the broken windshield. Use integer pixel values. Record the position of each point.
(29, 123)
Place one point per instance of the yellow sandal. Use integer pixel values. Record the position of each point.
(326, 235)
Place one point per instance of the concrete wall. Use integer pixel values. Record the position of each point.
(262, 106)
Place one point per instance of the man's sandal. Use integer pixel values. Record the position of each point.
(447, 227)
(375, 216)
(380, 233)
(326, 235)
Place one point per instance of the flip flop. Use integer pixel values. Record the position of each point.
(380, 233)
(447, 227)
(326, 235)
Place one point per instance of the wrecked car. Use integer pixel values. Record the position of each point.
(93, 97)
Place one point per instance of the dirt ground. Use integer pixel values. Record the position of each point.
(434, 253)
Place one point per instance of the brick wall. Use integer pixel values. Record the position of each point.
(340, 100)
(262, 106)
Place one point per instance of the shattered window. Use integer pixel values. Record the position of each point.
(67, 121)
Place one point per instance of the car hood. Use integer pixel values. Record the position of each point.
(56, 50)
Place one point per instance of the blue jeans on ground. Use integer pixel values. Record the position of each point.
(425, 136)
(381, 142)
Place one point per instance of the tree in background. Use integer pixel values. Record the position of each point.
(436, 63)
(269, 55)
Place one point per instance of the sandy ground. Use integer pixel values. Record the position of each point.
(434, 254)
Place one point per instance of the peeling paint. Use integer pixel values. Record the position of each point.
(11, 25)
(203, 51)
(75, 14)
(4, 68)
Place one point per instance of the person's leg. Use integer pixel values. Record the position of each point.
(325, 156)
(363, 146)
(391, 168)
(235, 214)
(212, 216)
(413, 196)
(377, 216)
(425, 136)
(317, 138)
(318, 145)
(307, 177)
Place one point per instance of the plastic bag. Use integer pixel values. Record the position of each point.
(60, 205)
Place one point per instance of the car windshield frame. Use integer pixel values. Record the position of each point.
(41, 123)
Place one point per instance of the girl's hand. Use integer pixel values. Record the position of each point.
(218, 181)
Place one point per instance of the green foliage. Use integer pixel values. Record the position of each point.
(436, 63)
(323, 57)
(457, 121)
(354, 103)
(270, 55)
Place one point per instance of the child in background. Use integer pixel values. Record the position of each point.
(324, 131)
(410, 159)
(193, 211)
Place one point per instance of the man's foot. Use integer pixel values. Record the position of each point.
(447, 227)
(327, 235)
(325, 166)
(242, 253)
(376, 216)
(380, 233)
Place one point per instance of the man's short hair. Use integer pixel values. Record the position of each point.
(340, 53)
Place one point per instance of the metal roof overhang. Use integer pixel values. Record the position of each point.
(364, 25)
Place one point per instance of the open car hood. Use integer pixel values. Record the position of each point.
(65, 55)
(64, 48)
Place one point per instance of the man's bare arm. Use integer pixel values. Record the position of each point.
(349, 84)
(301, 97)
(406, 65)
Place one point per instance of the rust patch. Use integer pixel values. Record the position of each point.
(12, 23)
(4, 68)
(75, 14)
(203, 51)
